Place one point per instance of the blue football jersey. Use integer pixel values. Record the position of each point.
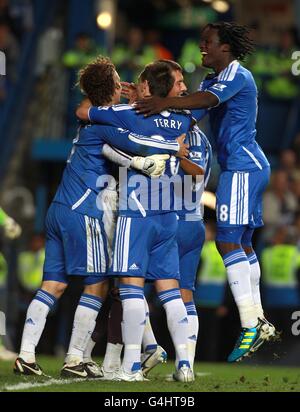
(85, 164)
(167, 124)
(233, 120)
(188, 196)
(140, 195)
(79, 188)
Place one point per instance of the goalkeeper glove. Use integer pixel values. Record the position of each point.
(153, 166)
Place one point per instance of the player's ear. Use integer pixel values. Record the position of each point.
(226, 48)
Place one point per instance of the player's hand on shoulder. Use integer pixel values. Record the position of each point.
(150, 105)
(82, 111)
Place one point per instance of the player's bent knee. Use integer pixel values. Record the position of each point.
(130, 280)
(165, 284)
(98, 289)
(224, 247)
(54, 288)
(187, 295)
(248, 249)
(246, 241)
(230, 234)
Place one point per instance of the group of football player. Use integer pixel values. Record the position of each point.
(128, 208)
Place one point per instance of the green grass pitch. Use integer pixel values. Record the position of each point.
(210, 378)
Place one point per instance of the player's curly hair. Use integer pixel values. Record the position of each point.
(96, 81)
(237, 36)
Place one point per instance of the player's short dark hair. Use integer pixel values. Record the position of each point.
(96, 81)
(236, 35)
(159, 76)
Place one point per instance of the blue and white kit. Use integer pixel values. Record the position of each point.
(191, 229)
(245, 169)
(145, 241)
(141, 200)
(76, 241)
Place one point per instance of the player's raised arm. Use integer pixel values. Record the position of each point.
(103, 114)
(82, 111)
(129, 92)
(197, 100)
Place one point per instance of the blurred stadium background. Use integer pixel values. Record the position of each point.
(45, 43)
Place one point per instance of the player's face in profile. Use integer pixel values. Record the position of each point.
(118, 88)
(210, 47)
(179, 86)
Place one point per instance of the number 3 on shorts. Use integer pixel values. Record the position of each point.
(223, 213)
